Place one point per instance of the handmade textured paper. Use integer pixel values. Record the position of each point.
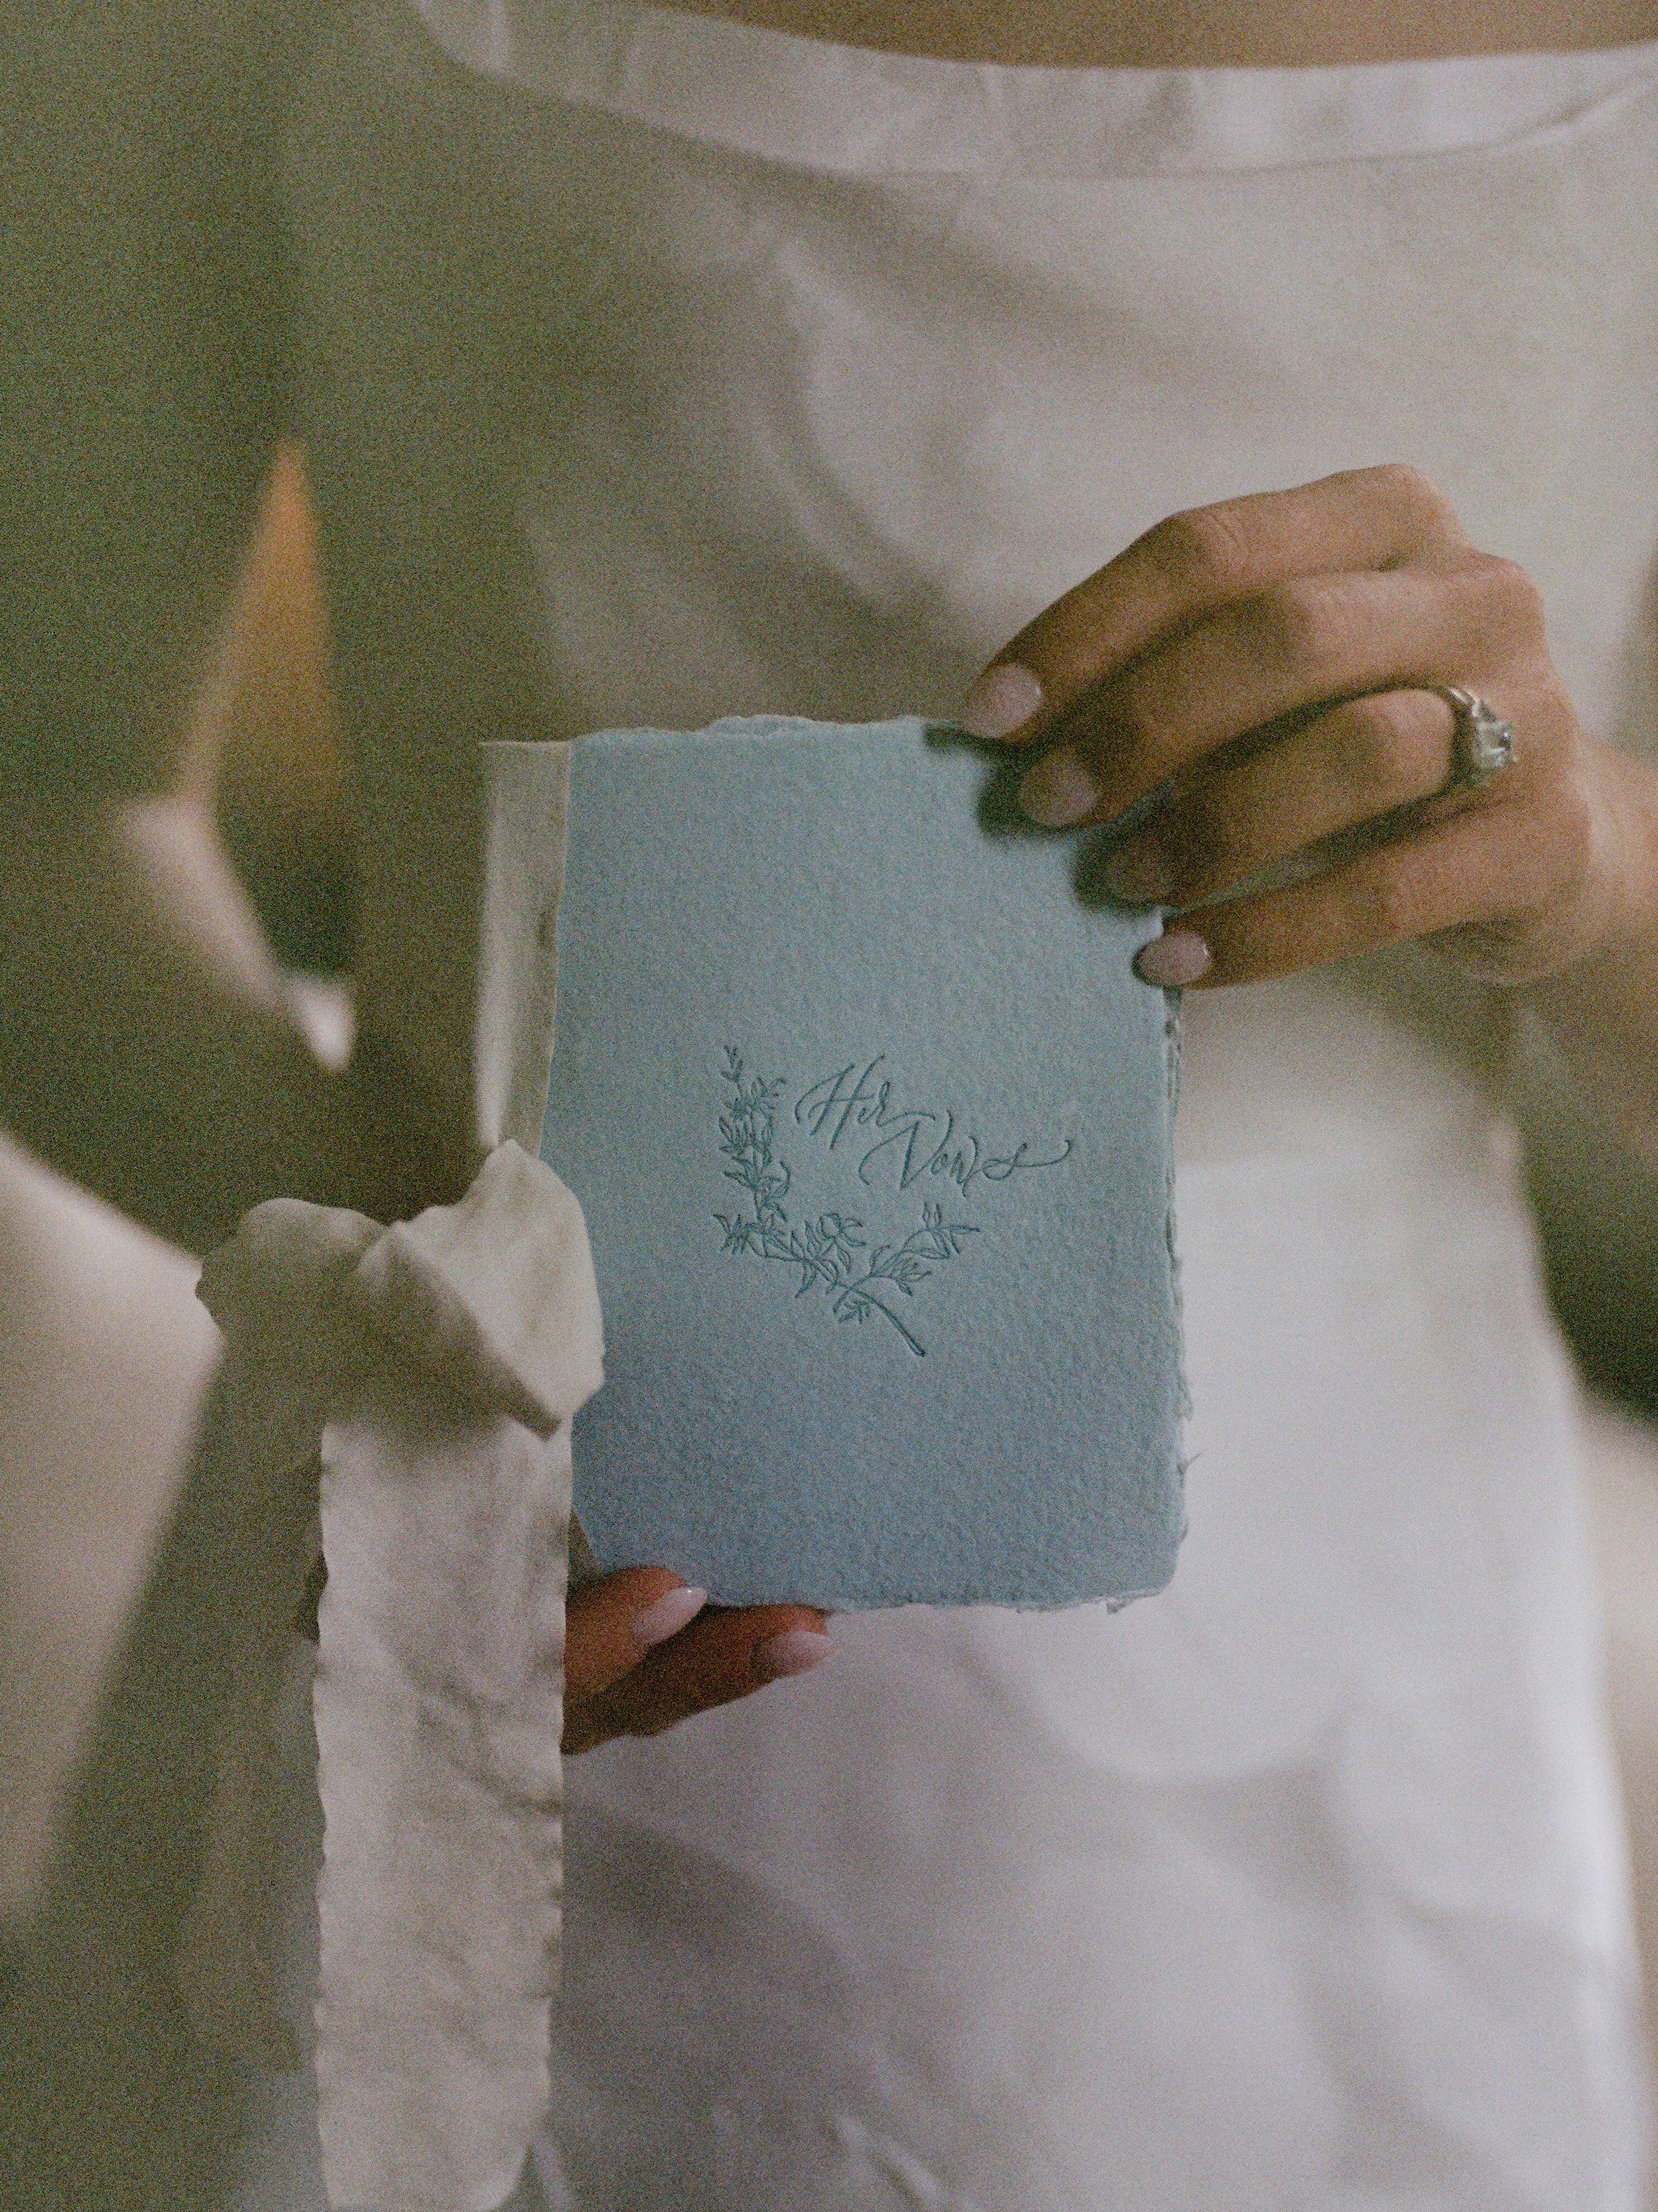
(869, 1119)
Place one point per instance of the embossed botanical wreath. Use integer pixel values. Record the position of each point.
(830, 1253)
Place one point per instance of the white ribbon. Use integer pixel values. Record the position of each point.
(432, 1370)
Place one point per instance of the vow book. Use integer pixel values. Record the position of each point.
(870, 1119)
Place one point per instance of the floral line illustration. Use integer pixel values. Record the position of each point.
(830, 1253)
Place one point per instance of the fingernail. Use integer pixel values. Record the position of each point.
(1178, 957)
(1139, 874)
(1059, 791)
(673, 1610)
(796, 1652)
(1002, 700)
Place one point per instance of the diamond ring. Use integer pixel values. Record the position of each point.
(1481, 743)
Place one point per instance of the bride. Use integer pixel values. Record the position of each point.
(1248, 414)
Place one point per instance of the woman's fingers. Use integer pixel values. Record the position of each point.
(1257, 662)
(642, 1654)
(1503, 883)
(722, 1658)
(1194, 562)
(611, 1625)
(1254, 684)
(1248, 810)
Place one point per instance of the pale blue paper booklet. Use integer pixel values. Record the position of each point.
(870, 1119)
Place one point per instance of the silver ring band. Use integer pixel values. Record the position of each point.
(1481, 743)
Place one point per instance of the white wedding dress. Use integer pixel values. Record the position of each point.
(656, 368)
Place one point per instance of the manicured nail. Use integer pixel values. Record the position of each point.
(1001, 702)
(1178, 957)
(673, 1610)
(1059, 791)
(1139, 874)
(796, 1652)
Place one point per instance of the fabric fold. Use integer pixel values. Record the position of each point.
(493, 1296)
(431, 1371)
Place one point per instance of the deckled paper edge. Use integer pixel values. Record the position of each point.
(1174, 1039)
(526, 791)
(526, 826)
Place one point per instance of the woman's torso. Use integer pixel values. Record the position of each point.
(712, 371)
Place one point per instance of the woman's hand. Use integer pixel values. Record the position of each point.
(1259, 665)
(642, 1651)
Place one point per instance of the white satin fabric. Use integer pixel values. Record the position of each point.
(784, 376)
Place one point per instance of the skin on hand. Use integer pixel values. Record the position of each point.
(642, 1652)
(1257, 665)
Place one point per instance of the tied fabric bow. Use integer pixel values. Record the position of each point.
(429, 1372)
